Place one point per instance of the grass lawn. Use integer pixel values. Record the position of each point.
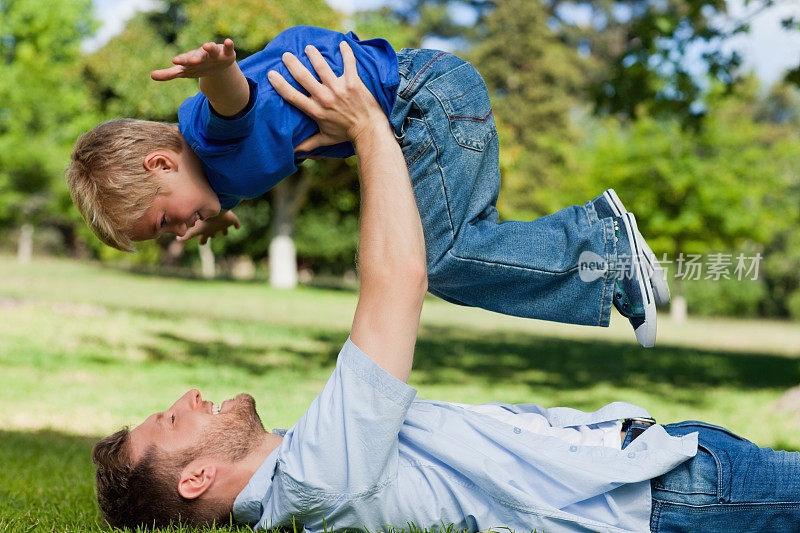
(85, 349)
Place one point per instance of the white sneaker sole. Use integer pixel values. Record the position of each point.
(656, 274)
(646, 333)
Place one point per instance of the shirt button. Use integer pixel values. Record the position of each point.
(517, 430)
(573, 448)
(631, 455)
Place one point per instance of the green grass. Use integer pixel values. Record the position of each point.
(85, 349)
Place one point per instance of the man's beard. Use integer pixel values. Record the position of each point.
(233, 435)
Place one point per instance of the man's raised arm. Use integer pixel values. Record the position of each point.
(392, 263)
(391, 255)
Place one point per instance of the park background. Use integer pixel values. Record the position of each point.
(689, 109)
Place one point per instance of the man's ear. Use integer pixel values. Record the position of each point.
(163, 160)
(196, 478)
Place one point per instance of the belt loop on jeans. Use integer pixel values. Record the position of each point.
(636, 426)
(405, 57)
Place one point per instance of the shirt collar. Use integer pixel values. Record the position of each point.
(248, 506)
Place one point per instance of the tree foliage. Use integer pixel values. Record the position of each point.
(698, 190)
(43, 104)
(731, 186)
(646, 57)
(120, 81)
(534, 86)
(250, 23)
(119, 72)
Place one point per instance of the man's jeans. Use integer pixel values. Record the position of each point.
(730, 485)
(443, 121)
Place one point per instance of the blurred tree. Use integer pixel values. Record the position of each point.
(43, 106)
(534, 81)
(780, 110)
(533, 85)
(709, 191)
(653, 57)
(647, 56)
(327, 227)
(250, 23)
(780, 106)
(381, 23)
(793, 75)
(119, 78)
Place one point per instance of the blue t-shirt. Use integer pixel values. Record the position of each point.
(247, 156)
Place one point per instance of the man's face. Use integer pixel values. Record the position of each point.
(227, 431)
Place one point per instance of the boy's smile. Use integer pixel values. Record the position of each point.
(172, 212)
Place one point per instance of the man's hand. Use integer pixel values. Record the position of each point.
(342, 106)
(208, 60)
(205, 229)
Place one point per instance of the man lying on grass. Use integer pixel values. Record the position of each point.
(368, 454)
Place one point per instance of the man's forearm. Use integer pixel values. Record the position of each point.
(391, 258)
(227, 92)
(391, 240)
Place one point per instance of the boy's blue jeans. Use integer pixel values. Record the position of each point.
(443, 121)
(730, 485)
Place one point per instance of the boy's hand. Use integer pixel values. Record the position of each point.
(208, 60)
(342, 107)
(206, 229)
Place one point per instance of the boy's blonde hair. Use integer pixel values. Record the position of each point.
(107, 177)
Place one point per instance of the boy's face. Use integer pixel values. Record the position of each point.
(185, 197)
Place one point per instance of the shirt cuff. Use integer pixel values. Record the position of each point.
(372, 373)
(240, 125)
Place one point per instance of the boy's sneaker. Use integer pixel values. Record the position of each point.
(633, 295)
(609, 205)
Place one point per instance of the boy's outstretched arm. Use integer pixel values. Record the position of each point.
(221, 80)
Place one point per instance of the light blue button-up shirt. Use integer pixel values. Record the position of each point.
(367, 454)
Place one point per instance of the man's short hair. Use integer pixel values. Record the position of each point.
(107, 178)
(146, 493)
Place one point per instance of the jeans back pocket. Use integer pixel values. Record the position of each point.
(465, 100)
(693, 482)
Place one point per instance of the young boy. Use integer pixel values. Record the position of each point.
(244, 132)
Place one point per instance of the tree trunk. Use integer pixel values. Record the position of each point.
(207, 264)
(25, 245)
(678, 309)
(282, 262)
(287, 198)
